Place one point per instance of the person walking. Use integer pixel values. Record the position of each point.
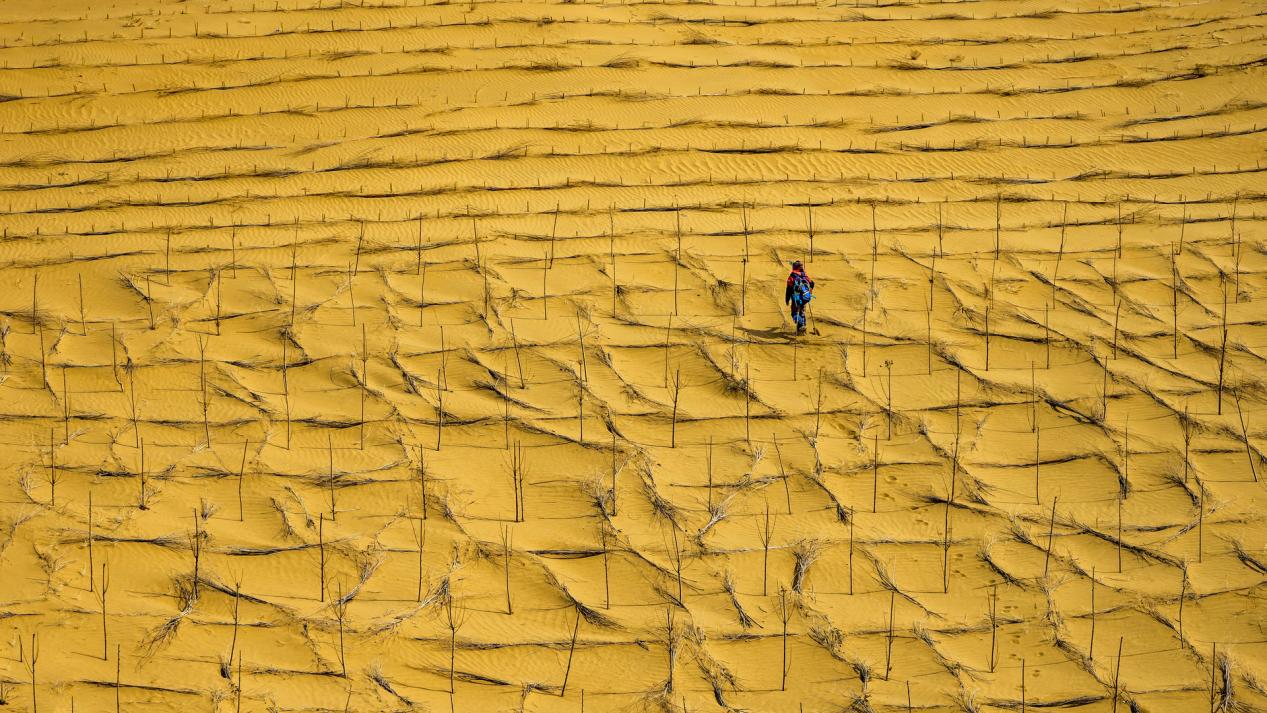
(800, 290)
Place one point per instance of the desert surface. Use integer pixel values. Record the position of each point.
(433, 356)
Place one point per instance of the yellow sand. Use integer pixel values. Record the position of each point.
(434, 356)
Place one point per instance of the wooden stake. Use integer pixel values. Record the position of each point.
(1223, 344)
(91, 585)
(784, 616)
(321, 549)
(1051, 531)
(851, 519)
(571, 652)
(888, 649)
(1249, 454)
(1091, 646)
(1117, 673)
(105, 590)
(330, 476)
(875, 470)
(994, 624)
(677, 386)
(764, 534)
(743, 277)
(241, 477)
(809, 208)
(1214, 665)
(677, 260)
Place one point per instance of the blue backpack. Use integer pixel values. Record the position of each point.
(801, 293)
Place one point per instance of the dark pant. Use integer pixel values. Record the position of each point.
(798, 313)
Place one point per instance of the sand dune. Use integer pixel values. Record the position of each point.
(419, 356)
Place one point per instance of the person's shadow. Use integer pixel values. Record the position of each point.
(775, 334)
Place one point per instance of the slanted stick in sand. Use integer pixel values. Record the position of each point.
(708, 459)
(580, 401)
(101, 597)
(340, 615)
(1119, 533)
(141, 472)
(614, 470)
(519, 365)
(865, 306)
(241, 477)
(439, 404)
(611, 251)
(238, 691)
(809, 210)
(83, 321)
(1047, 334)
(167, 251)
(1200, 521)
(1249, 453)
(195, 543)
(677, 260)
(1223, 341)
(1060, 254)
(1037, 462)
(764, 533)
(233, 255)
(1183, 591)
(743, 275)
(875, 469)
(1022, 685)
(888, 647)
(554, 230)
(1214, 668)
(421, 539)
(65, 408)
(1117, 314)
(321, 553)
(52, 470)
(989, 303)
(418, 250)
(352, 292)
(114, 353)
(91, 585)
(237, 601)
(1051, 531)
(998, 223)
(888, 414)
(365, 382)
(1104, 390)
(945, 549)
(1033, 400)
(851, 520)
(35, 304)
(784, 616)
(506, 538)
(928, 319)
(34, 659)
(219, 300)
(330, 475)
(118, 676)
(202, 380)
(677, 388)
(1091, 645)
(567, 671)
(994, 624)
(747, 405)
(787, 490)
(668, 330)
(286, 386)
(1117, 673)
(546, 263)
(1175, 307)
(607, 590)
